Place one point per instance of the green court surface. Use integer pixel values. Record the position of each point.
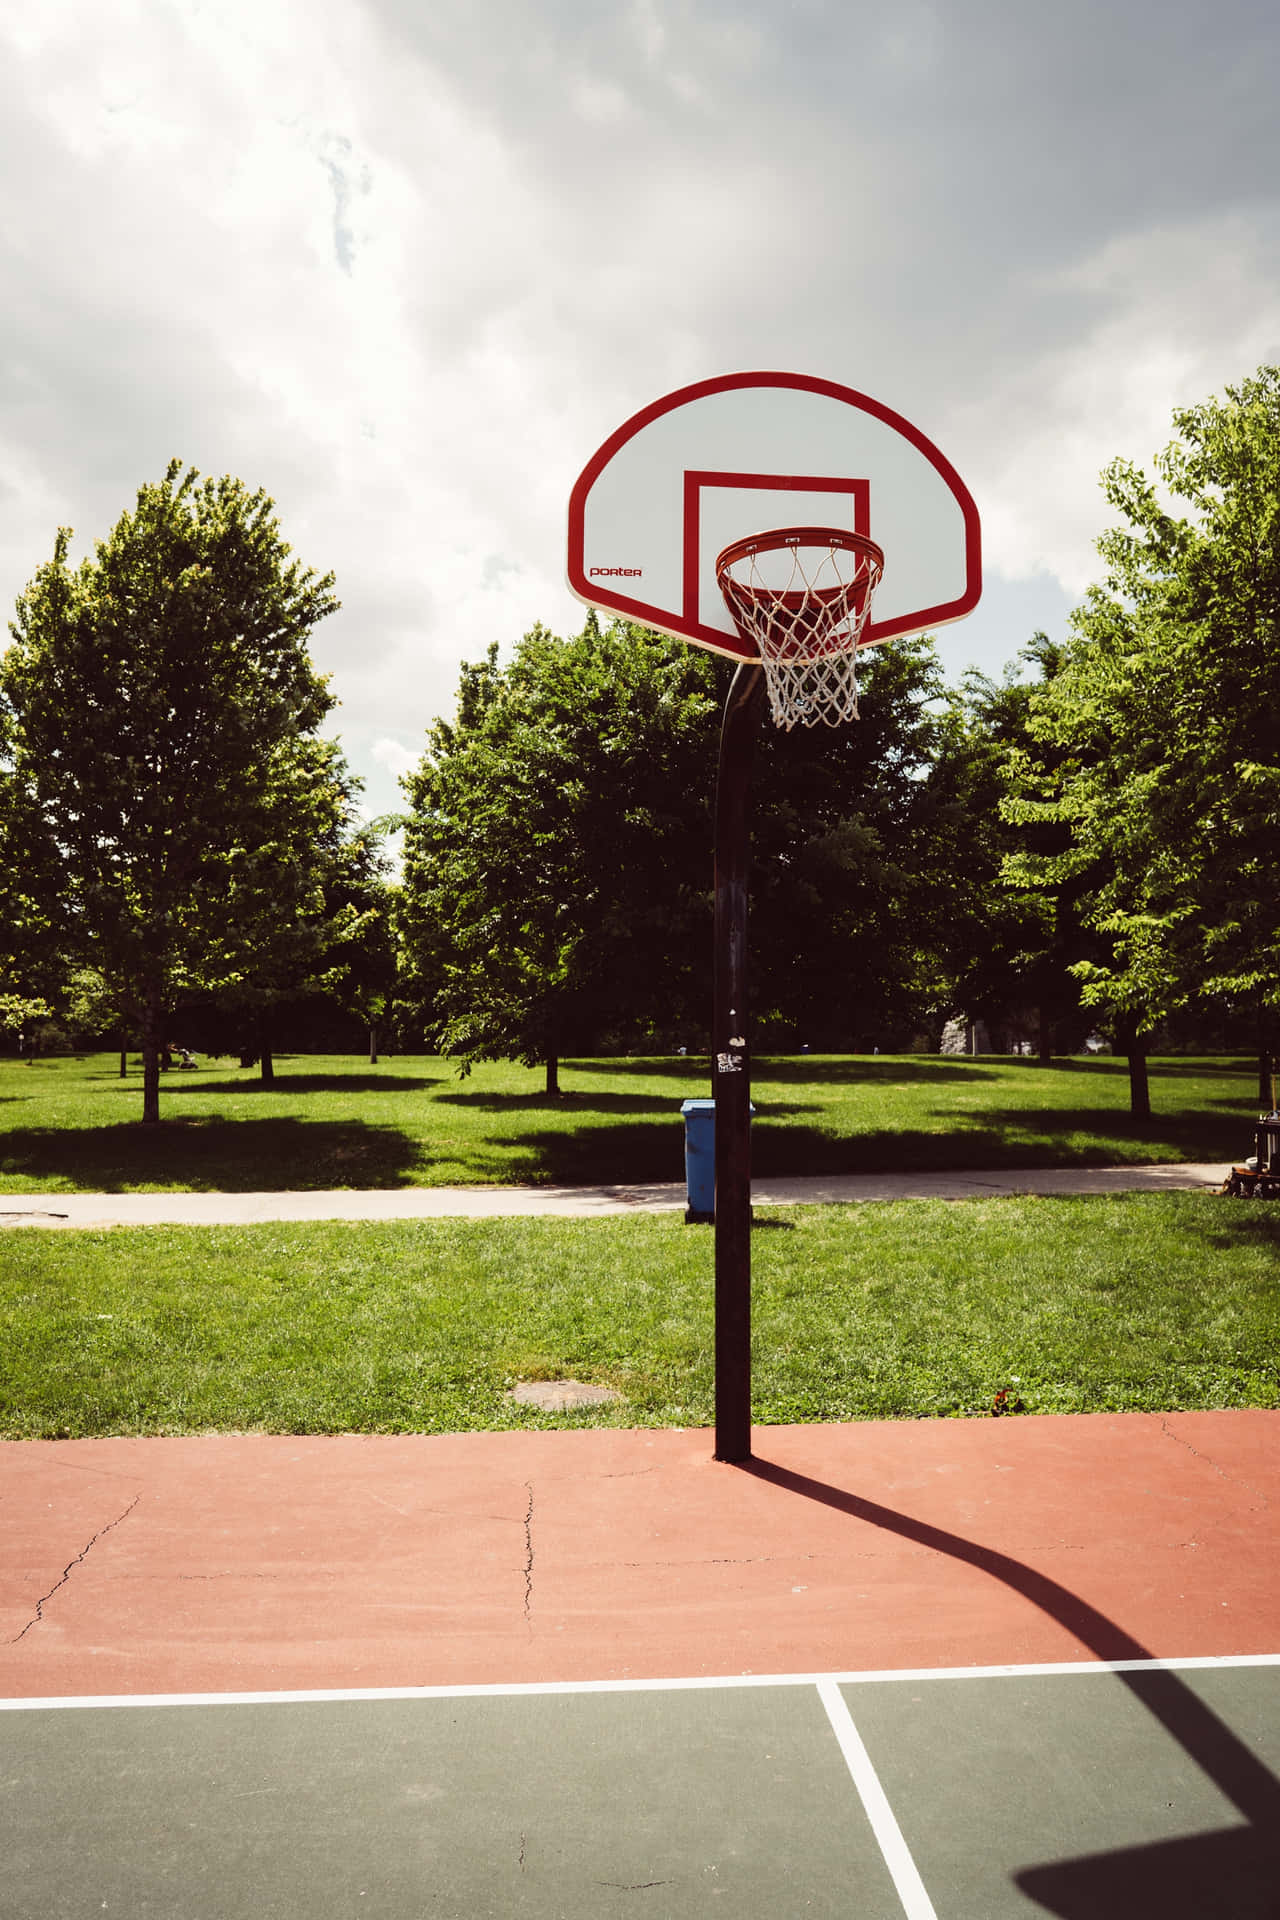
(1091, 1792)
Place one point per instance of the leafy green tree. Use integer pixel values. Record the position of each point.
(851, 875)
(308, 905)
(161, 701)
(1010, 936)
(1161, 724)
(557, 853)
(363, 968)
(33, 965)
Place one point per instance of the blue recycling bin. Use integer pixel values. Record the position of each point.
(700, 1160)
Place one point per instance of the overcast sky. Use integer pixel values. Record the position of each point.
(406, 263)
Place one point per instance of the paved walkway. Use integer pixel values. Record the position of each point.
(419, 1203)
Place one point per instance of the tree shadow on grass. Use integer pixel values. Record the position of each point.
(213, 1155)
(1210, 1067)
(593, 1156)
(653, 1150)
(820, 1070)
(1115, 1066)
(249, 1081)
(652, 1147)
(575, 1101)
(1237, 1224)
(858, 1070)
(1196, 1133)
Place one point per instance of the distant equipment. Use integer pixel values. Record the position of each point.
(1258, 1177)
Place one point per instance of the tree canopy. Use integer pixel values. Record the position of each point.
(852, 865)
(559, 855)
(556, 853)
(1010, 938)
(1163, 748)
(159, 703)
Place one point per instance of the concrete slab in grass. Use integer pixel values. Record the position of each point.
(562, 1396)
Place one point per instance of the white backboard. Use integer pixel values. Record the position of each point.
(747, 452)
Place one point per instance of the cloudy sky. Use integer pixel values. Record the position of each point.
(406, 263)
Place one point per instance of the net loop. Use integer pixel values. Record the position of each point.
(801, 596)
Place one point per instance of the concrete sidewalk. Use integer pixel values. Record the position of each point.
(421, 1203)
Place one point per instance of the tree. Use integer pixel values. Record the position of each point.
(363, 957)
(33, 966)
(1011, 936)
(1162, 725)
(160, 701)
(299, 898)
(557, 853)
(851, 875)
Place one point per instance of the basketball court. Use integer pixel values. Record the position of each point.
(959, 1668)
(954, 1670)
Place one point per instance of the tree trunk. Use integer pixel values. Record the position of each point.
(373, 1046)
(1139, 1086)
(152, 1029)
(268, 1066)
(553, 1073)
(1134, 1047)
(1266, 1061)
(124, 1056)
(1044, 1038)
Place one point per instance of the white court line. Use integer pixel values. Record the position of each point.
(503, 1691)
(916, 1903)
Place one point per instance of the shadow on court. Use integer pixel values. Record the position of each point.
(1234, 1872)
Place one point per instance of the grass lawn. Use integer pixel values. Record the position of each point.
(71, 1124)
(1155, 1301)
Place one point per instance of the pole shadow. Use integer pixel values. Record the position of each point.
(1235, 1872)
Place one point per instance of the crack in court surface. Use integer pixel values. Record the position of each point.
(38, 1615)
(1232, 1479)
(528, 1560)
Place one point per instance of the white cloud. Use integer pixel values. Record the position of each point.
(394, 756)
(407, 266)
(1178, 312)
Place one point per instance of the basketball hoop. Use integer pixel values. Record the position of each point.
(801, 596)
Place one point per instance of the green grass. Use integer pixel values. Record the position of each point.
(72, 1124)
(912, 1309)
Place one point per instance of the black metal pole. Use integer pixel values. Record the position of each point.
(731, 1068)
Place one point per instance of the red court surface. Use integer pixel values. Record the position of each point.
(235, 1563)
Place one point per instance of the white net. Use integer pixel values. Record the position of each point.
(801, 596)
